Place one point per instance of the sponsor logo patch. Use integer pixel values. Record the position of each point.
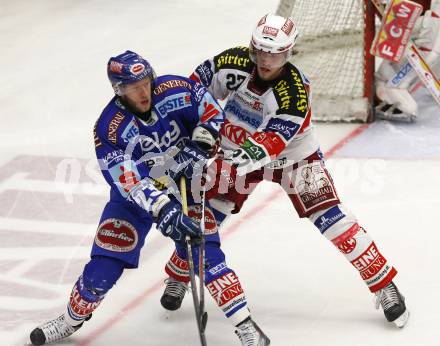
(209, 112)
(114, 157)
(218, 268)
(348, 246)
(179, 262)
(314, 186)
(256, 152)
(171, 84)
(195, 212)
(173, 103)
(270, 141)
(113, 126)
(235, 134)
(199, 92)
(279, 162)
(267, 30)
(239, 59)
(287, 27)
(370, 263)
(116, 235)
(78, 306)
(130, 132)
(125, 176)
(329, 218)
(169, 138)
(253, 119)
(225, 289)
(116, 67)
(205, 73)
(287, 129)
(137, 69)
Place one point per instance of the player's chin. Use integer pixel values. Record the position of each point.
(266, 73)
(143, 106)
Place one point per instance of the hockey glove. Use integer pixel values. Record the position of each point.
(190, 162)
(173, 223)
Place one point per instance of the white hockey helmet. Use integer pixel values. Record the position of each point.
(274, 34)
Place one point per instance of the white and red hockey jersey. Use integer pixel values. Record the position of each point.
(271, 121)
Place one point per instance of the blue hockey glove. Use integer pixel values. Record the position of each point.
(191, 161)
(173, 223)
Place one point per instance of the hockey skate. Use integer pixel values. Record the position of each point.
(54, 330)
(390, 112)
(393, 304)
(250, 334)
(174, 293)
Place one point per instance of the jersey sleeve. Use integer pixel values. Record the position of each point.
(224, 72)
(126, 174)
(289, 115)
(210, 114)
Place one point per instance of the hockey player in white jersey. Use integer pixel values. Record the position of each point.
(268, 135)
(396, 101)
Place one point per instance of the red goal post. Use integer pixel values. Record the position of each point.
(333, 50)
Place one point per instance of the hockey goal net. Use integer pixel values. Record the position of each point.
(333, 51)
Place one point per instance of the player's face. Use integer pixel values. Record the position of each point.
(269, 65)
(138, 95)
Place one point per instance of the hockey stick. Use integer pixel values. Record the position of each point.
(203, 313)
(418, 63)
(192, 274)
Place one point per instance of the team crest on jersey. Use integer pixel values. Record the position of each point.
(116, 235)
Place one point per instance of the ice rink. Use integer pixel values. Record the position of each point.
(300, 289)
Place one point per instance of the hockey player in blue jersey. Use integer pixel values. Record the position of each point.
(149, 125)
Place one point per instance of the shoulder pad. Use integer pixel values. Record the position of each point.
(167, 82)
(292, 92)
(234, 58)
(110, 120)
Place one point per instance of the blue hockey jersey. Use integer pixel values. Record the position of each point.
(129, 148)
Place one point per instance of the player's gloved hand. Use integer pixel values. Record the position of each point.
(191, 160)
(173, 223)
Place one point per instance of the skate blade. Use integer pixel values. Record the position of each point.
(401, 321)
